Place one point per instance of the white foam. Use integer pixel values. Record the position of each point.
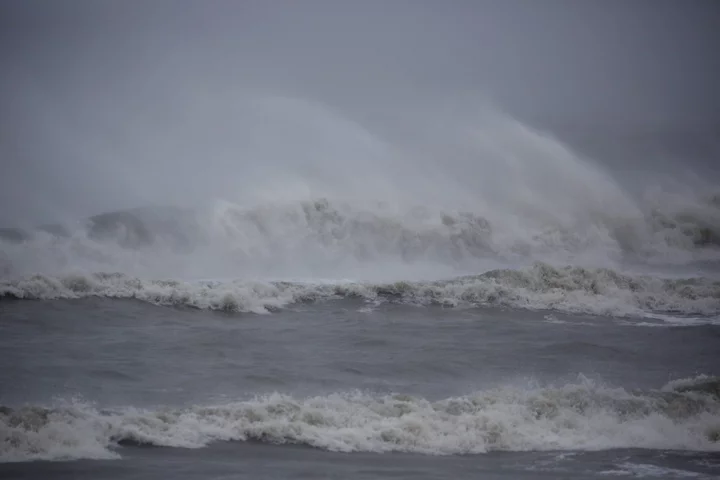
(34, 433)
(644, 470)
(572, 417)
(574, 290)
(674, 321)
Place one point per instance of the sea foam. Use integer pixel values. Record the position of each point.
(540, 287)
(582, 415)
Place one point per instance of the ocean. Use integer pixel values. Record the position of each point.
(556, 325)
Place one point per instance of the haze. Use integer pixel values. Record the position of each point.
(107, 105)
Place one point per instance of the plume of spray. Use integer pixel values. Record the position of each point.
(266, 185)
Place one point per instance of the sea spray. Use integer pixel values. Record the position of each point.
(301, 190)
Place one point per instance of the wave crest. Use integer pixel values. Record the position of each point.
(577, 416)
(569, 289)
(325, 234)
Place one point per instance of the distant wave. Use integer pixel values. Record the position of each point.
(133, 228)
(583, 415)
(227, 238)
(569, 289)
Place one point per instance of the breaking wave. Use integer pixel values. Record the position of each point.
(583, 415)
(542, 286)
(322, 237)
(317, 194)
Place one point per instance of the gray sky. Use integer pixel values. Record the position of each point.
(85, 85)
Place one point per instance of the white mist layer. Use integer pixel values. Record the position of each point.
(324, 239)
(577, 416)
(311, 193)
(576, 290)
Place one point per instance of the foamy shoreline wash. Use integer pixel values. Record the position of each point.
(569, 289)
(641, 470)
(577, 416)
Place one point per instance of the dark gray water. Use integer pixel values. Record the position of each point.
(340, 390)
